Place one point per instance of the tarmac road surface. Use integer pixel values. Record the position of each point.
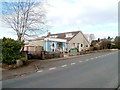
(95, 71)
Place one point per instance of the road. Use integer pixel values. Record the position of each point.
(92, 71)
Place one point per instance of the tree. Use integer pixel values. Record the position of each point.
(98, 39)
(10, 50)
(109, 45)
(25, 18)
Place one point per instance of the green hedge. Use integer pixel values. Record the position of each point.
(10, 50)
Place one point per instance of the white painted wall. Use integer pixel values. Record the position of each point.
(79, 38)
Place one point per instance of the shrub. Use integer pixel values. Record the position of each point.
(10, 50)
(114, 47)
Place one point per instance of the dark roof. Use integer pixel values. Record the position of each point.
(63, 35)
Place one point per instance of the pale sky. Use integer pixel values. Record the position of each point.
(99, 17)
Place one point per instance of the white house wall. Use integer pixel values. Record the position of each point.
(79, 38)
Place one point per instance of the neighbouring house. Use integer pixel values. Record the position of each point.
(112, 40)
(34, 45)
(99, 44)
(62, 42)
(103, 43)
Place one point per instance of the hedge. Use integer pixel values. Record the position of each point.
(10, 50)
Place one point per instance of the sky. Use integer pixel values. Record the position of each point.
(99, 17)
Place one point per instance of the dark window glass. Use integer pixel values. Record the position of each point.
(81, 45)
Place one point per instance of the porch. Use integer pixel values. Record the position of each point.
(54, 44)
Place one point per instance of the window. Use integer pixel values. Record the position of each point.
(69, 35)
(53, 45)
(86, 45)
(81, 45)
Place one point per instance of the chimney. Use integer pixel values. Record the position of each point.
(49, 33)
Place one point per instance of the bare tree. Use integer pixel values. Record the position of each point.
(25, 18)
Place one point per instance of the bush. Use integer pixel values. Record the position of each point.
(10, 50)
(114, 46)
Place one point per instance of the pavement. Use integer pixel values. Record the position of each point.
(98, 70)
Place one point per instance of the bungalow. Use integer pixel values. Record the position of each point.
(74, 39)
(62, 42)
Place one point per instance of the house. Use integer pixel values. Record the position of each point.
(103, 43)
(75, 39)
(62, 42)
(49, 44)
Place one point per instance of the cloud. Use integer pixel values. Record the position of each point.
(113, 24)
(90, 16)
(104, 35)
(61, 11)
(61, 8)
(82, 11)
(7, 32)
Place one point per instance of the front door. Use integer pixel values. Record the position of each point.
(60, 48)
